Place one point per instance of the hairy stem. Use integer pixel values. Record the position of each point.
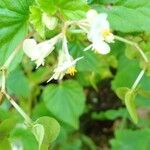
(19, 109)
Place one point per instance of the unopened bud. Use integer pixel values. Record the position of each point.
(91, 14)
(49, 21)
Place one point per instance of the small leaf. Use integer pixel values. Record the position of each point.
(51, 127)
(129, 102)
(38, 131)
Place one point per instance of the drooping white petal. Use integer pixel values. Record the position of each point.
(34, 50)
(101, 47)
(40, 62)
(38, 52)
(29, 48)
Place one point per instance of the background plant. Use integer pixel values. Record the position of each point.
(87, 100)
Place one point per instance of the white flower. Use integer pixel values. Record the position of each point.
(66, 64)
(99, 32)
(38, 52)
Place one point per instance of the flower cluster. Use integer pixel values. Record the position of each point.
(98, 32)
(97, 28)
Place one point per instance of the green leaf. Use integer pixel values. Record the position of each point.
(129, 102)
(74, 10)
(5, 144)
(126, 74)
(130, 140)
(4, 114)
(51, 128)
(18, 83)
(6, 126)
(129, 15)
(67, 96)
(24, 138)
(13, 27)
(38, 131)
(47, 6)
(36, 20)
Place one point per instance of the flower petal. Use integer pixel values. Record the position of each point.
(29, 48)
(101, 47)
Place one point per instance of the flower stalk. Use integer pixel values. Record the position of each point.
(19, 109)
(132, 44)
(138, 79)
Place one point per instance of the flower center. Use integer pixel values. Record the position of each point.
(106, 32)
(71, 71)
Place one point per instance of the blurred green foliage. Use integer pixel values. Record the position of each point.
(72, 101)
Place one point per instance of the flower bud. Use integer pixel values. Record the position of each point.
(91, 14)
(49, 21)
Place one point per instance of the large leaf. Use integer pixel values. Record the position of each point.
(13, 26)
(65, 101)
(129, 15)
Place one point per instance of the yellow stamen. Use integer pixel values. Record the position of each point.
(106, 32)
(71, 71)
